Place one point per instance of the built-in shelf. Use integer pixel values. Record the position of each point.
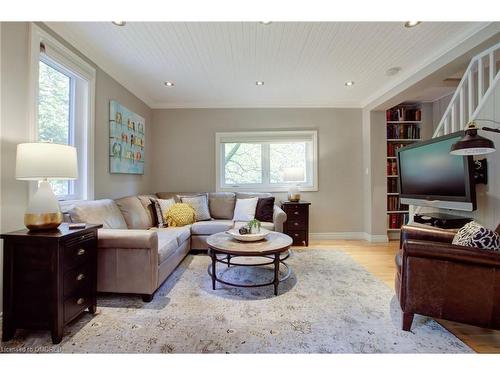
(404, 122)
(394, 230)
(393, 175)
(392, 193)
(404, 140)
(391, 157)
(397, 212)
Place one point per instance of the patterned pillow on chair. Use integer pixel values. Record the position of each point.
(475, 235)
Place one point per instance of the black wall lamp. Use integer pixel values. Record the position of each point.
(472, 143)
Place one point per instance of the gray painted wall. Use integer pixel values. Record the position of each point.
(184, 155)
(15, 69)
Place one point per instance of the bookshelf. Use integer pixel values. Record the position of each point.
(403, 127)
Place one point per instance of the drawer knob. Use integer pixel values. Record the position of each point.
(81, 252)
(296, 234)
(79, 301)
(296, 212)
(296, 224)
(80, 277)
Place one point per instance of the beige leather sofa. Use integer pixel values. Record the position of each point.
(134, 256)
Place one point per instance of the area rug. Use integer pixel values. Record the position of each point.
(330, 304)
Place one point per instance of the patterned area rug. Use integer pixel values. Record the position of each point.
(330, 304)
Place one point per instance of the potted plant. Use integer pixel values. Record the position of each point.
(253, 226)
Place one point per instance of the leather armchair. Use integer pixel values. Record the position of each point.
(440, 280)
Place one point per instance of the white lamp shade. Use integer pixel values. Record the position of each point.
(38, 161)
(294, 174)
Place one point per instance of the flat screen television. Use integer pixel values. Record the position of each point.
(430, 176)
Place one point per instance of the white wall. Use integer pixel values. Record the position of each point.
(184, 155)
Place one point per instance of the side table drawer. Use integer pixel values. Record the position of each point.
(78, 254)
(293, 224)
(78, 280)
(73, 306)
(299, 237)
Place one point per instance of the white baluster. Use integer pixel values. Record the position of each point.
(461, 108)
(480, 90)
(453, 119)
(447, 125)
(470, 97)
(492, 67)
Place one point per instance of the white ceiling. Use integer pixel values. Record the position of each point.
(303, 64)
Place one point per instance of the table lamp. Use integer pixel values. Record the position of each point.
(45, 161)
(293, 175)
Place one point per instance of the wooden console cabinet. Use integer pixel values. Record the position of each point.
(49, 278)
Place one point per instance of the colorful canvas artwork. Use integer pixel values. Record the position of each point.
(126, 140)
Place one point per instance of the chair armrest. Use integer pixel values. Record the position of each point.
(127, 239)
(427, 233)
(451, 253)
(279, 217)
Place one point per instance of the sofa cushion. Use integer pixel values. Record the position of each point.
(264, 209)
(134, 213)
(263, 224)
(211, 227)
(167, 244)
(221, 205)
(244, 210)
(182, 233)
(252, 195)
(149, 207)
(200, 206)
(102, 211)
(175, 195)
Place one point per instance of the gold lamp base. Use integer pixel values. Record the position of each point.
(43, 221)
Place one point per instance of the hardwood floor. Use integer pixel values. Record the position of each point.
(378, 258)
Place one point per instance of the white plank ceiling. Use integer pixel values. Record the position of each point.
(303, 64)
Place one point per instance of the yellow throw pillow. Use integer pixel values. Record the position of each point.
(180, 214)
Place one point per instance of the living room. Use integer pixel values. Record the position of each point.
(230, 184)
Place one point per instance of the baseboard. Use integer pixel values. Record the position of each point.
(349, 236)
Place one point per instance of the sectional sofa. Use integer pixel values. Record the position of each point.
(136, 257)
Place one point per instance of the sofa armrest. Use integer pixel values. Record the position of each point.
(279, 217)
(451, 253)
(127, 239)
(427, 233)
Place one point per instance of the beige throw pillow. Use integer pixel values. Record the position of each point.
(200, 206)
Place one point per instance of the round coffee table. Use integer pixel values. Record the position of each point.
(276, 247)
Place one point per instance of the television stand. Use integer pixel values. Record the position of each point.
(441, 220)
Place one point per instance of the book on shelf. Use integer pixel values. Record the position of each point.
(392, 185)
(393, 147)
(404, 114)
(395, 221)
(403, 131)
(392, 167)
(393, 204)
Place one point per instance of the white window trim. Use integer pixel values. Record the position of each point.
(224, 137)
(80, 68)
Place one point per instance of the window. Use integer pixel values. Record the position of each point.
(267, 161)
(63, 88)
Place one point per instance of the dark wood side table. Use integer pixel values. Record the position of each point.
(297, 222)
(49, 278)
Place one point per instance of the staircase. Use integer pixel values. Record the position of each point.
(477, 84)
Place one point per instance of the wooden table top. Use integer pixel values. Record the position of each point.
(273, 243)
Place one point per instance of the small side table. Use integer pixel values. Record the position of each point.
(297, 223)
(49, 278)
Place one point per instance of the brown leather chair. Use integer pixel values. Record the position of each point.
(440, 280)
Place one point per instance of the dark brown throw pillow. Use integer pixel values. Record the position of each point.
(264, 209)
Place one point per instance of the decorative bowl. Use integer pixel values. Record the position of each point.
(250, 237)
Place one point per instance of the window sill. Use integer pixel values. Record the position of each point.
(265, 189)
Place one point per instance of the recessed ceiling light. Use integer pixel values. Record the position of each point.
(259, 83)
(409, 24)
(169, 84)
(266, 22)
(119, 23)
(393, 71)
(349, 83)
